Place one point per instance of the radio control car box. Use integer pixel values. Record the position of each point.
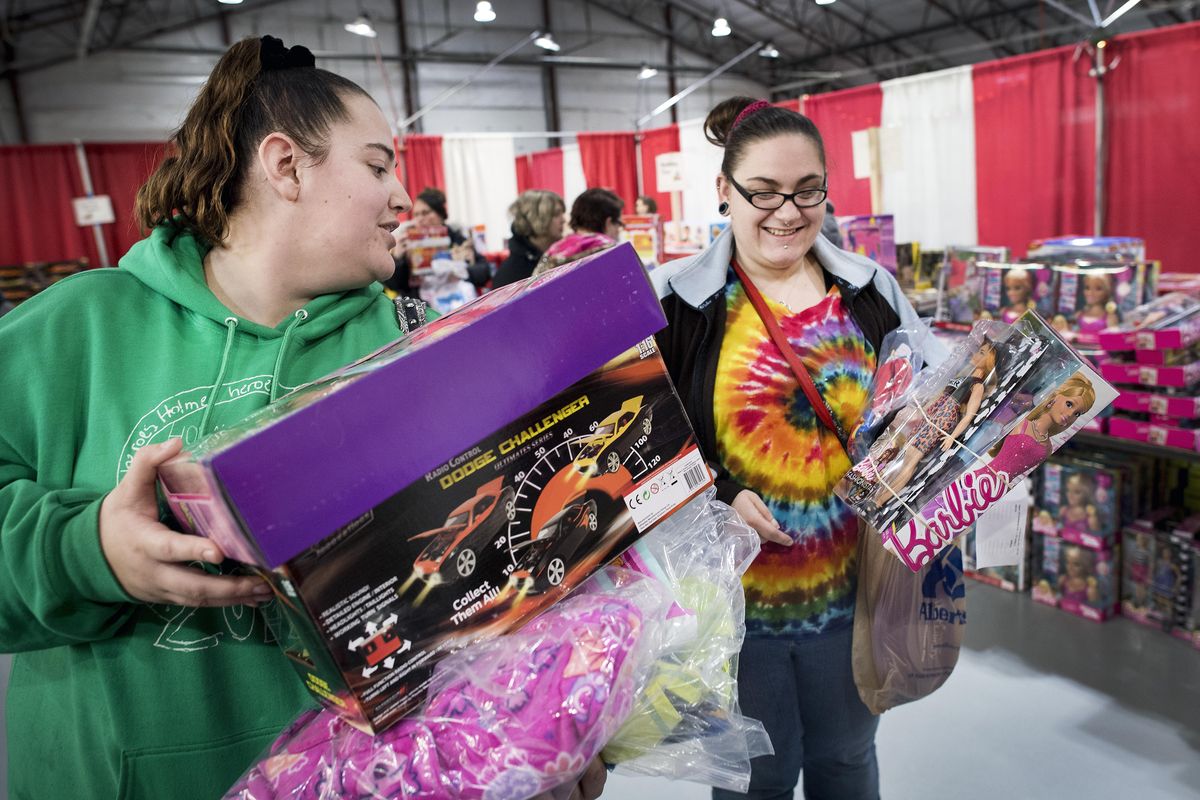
(453, 484)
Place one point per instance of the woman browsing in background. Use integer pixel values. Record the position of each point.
(537, 223)
(595, 225)
(144, 667)
(776, 462)
(429, 210)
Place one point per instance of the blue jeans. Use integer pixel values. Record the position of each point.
(803, 692)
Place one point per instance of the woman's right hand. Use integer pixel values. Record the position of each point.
(754, 512)
(149, 559)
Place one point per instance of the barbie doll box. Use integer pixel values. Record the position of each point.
(1094, 295)
(1154, 433)
(1076, 578)
(1171, 322)
(1080, 502)
(1179, 376)
(1011, 289)
(1008, 397)
(519, 466)
(1176, 406)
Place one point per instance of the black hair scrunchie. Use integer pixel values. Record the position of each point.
(273, 55)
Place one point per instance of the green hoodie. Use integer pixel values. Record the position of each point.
(110, 697)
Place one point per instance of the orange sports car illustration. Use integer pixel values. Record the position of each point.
(469, 529)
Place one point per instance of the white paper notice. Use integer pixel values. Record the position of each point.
(860, 147)
(1000, 531)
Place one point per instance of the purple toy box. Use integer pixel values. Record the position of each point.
(540, 436)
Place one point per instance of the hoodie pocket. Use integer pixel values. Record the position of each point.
(203, 771)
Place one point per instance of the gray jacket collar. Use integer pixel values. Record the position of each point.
(697, 278)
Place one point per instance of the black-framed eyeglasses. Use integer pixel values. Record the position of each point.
(769, 201)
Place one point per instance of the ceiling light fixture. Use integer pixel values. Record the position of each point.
(484, 11)
(546, 42)
(647, 72)
(721, 27)
(769, 51)
(826, 2)
(230, 2)
(361, 27)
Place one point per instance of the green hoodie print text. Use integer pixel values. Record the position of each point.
(110, 698)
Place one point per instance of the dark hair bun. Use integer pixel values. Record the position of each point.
(719, 121)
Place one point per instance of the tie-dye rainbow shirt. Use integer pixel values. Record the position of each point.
(771, 442)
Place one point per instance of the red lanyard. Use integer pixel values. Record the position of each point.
(819, 406)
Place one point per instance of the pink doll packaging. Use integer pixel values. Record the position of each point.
(1092, 295)
(1078, 579)
(960, 283)
(1011, 289)
(1170, 322)
(1008, 397)
(1080, 501)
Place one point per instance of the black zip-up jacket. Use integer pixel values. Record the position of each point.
(695, 311)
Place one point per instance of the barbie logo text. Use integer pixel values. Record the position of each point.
(954, 510)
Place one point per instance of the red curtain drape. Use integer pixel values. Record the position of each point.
(423, 163)
(524, 165)
(655, 141)
(837, 115)
(1153, 127)
(546, 170)
(610, 161)
(1034, 148)
(119, 170)
(793, 105)
(39, 182)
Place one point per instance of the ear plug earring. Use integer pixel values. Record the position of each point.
(723, 209)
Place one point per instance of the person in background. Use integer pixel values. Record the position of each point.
(144, 666)
(429, 210)
(537, 223)
(595, 225)
(829, 228)
(645, 205)
(775, 462)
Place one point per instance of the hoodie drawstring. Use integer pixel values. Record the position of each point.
(231, 324)
(297, 318)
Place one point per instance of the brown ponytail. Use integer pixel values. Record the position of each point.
(765, 123)
(197, 186)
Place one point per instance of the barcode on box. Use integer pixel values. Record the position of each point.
(695, 476)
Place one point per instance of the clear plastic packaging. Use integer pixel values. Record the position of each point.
(686, 723)
(641, 657)
(507, 719)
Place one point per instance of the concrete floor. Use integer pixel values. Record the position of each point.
(1042, 705)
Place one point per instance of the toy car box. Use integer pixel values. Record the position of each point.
(540, 436)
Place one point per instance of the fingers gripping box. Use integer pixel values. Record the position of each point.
(539, 436)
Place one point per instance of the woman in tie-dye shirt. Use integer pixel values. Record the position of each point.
(776, 462)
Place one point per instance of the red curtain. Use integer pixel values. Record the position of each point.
(119, 170)
(35, 205)
(546, 170)
(1153, 128)
(793, 105)
(610, 161)
(423, 164)
(1034, 148)
(524, 165)
(655, 141)
(838, 115)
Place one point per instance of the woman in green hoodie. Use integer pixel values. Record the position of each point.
(143, 668)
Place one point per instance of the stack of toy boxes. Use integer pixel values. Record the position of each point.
(1075, 533)
(1155, 354)
(519, 465)
(1158, 578)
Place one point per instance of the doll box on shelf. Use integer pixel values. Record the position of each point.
(1081, 501)
(1165, 435)
(1074, 577)
(517, 468)
(1123, 247)
(1158, 580)
(1170, 322)
(1180, 376)
(1167, 405)
(1166, 358)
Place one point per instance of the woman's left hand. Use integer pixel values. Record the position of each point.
(947, 443)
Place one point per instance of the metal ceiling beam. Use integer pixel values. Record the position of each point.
(1000, 50)
(90, 15)
(667, 34)
(866, 20)
(156, 30)
(934, 29)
